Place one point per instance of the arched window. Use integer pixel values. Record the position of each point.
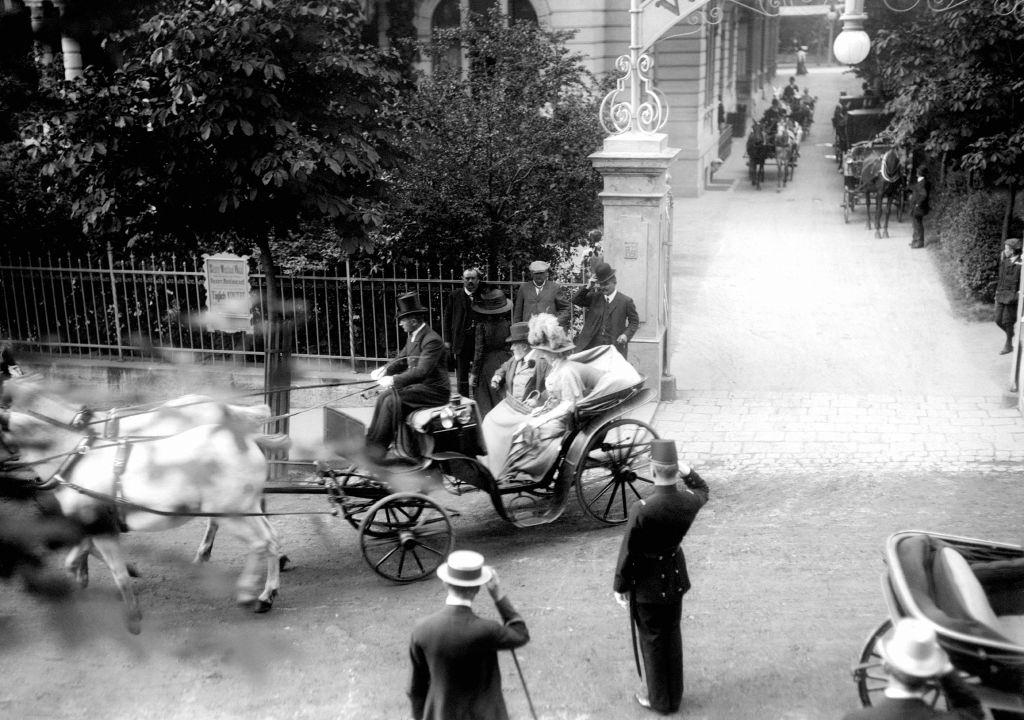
(447, 15)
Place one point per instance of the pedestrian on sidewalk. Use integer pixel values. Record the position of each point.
(1006, 290)
(540, 295)
(611, 317)
(914, 661)
(460, 327)
(920, 205)
(454, 652)
(651, 577)
(490, 346)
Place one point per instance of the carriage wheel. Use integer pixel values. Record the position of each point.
(356, 494)
(405, 537)
(614, 470)
(872, 679)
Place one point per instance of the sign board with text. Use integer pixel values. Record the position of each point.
(227, 292)
(657, 16)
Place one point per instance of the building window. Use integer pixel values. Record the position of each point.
(448, 13)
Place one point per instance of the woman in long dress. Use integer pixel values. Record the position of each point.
(521, 382)
(536, 442)
(490, 349)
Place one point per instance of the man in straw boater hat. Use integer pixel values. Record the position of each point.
(454, 653)
(651, 577)
(539, 295)
(915, 662)
(611, 317)
(416, 378)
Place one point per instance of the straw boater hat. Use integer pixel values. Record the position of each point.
(914, 649)
(518, 332)
(409, 304)
(464, 568)
(492, 302)
(538, 266)
(546, 334)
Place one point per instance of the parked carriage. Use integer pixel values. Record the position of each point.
(853, 167)
(971, 592)
(857, 123)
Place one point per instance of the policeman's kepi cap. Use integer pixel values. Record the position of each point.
(663, 452)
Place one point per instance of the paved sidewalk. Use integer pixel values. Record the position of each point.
(801, 343)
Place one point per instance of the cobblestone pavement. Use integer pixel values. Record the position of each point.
(803, 343)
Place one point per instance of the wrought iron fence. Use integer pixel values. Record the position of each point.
(144, 307)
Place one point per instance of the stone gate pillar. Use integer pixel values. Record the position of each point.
(637, 241)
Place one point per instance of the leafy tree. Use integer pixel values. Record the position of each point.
(498, 168)
(955, 80)
(236, 119)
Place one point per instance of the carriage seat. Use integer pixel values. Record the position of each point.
(618, 379)
(445, 428)
(958, 591)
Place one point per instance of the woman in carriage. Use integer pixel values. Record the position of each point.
(536, 442)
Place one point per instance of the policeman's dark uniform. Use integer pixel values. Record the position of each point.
(652, 570)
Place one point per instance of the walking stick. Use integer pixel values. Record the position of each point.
(526, 690)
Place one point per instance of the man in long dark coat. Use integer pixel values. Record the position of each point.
(415, 379)
(454, 653)
(460, 326)
(611, 317)
(651, 577)
(1007, 287)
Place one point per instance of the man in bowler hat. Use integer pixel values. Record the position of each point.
(540, 295)
(454, 653)
(915, 663)
(415, 379)
(611, 317)
(460, 326)
(651, 577)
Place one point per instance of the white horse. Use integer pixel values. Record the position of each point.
(153, 484)
(174, 416)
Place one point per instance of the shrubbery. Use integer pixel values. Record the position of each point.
(970, 227)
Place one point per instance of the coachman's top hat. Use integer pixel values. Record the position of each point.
(604, 272)
(492, 302)
(518, 332)
(464, 568)
(409, 304)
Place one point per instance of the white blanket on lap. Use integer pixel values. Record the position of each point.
(616, 372)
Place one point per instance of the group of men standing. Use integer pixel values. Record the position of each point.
(611, 317)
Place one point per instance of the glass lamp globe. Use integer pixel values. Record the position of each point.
(851, 46)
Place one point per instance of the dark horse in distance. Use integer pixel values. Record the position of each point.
(759, 149)
(882, 176)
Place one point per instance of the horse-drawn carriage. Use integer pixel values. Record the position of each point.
(167, 471)
(875, 168)
(971, 592)
(773, 140)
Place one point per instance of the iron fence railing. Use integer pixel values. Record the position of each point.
(141, 307)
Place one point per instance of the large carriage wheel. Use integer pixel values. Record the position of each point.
(872, 679)
(405, 537)
(614, 469)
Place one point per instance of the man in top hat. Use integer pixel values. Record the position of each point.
(415, 379)
(651, 577)
(454, 654)
(460, 326)
(914, 662)
(611, 317)
(1007, 287)
(540, 295)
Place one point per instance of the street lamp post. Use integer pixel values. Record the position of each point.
(853, 44)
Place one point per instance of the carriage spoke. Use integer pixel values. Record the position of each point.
(430, 549)
(387, 555)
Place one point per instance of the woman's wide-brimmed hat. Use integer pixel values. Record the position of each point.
(518, 332)
(492, 302)
(546, 334)
(914, 650)
(409, 304)
(464, 568)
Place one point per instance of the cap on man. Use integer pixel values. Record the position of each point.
(539, 295)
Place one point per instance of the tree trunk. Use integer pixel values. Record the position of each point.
(1011, 201)
(277, 372)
